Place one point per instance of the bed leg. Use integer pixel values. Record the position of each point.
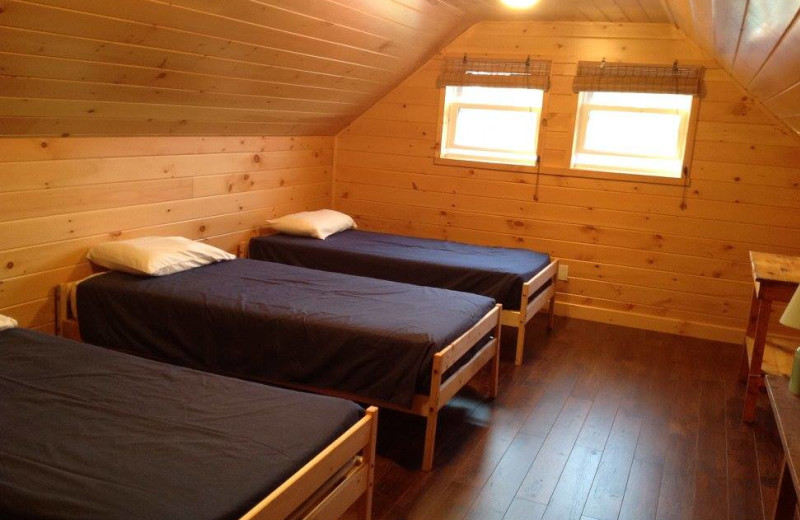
(494, 367)
(430, 440)
(520, 344)
(59, 310)
(369, 460)
(551, 311)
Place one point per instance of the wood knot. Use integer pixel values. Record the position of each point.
(256, 158)
(43, 144)
(10, 265)
(202, 228)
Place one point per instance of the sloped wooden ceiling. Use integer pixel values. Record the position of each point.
(231, 67)
(235, 67)
(307, 67)
(757, 41)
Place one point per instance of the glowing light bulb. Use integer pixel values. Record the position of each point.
(520, 4)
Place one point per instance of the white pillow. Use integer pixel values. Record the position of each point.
(318, 224)
(155, 256)
(7, 323)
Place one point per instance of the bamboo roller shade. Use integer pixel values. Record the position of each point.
(599, 76)
(463, 72)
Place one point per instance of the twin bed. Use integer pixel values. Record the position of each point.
(87, 432)
(398, 346)
(522, 281)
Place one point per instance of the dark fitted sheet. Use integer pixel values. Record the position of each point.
(495, 272)
(282, 324)
(89, 433)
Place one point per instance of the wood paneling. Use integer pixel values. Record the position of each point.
(60, 196)
(239, 67)
(647, 255)
(300, 67)
(191, 67)
(757, 41)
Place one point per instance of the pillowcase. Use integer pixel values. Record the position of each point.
(155, 256)
(7, 323)
(318, 224)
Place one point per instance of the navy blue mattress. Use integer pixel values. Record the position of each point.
(282, 324)
(495, 272)
(89, 433)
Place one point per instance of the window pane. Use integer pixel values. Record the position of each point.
(518, 97)
(633, 133)
(491, 124)
(496, 129)
(634, 100)
(637, 134)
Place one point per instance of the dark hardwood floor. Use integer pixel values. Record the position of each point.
(601, 423)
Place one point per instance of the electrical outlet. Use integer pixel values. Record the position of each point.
(563, 272)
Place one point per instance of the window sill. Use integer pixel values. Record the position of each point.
(564, 172)
(465, 163)
(614, 176)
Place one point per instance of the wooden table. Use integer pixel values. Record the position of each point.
(786, 407)
(775, 278)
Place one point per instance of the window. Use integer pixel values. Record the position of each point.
(491, 124)
(491, 109)
(634, 118)
(633, 133)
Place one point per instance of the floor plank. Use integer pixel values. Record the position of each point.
(608, 490)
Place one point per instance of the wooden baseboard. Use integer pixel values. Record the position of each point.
(649, 322)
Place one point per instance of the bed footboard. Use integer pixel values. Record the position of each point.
(442, 391)
(325, 488)
(536, 292)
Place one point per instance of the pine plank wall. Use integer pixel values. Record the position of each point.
(59, 196)
(645, 255)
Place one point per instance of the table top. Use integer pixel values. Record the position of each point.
(786, 407)
(769, 267)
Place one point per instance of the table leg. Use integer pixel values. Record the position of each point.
(744, 368)
(786, 501)
(751, 328)
(754, 376)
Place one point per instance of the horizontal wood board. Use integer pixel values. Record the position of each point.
(60, 196)
(668, 258)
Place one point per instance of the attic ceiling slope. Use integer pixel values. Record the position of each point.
(204, 67)
(307, 67)
(757, 41)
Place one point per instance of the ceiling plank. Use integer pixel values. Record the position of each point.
(765, 23)
(781, 69)
(728, 25)
(702, 20)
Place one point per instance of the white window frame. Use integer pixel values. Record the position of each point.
(581, 123)
(449, 150)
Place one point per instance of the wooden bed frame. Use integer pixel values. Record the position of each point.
(328, 485)
(425, 405)
(537, 287)
(535, 294)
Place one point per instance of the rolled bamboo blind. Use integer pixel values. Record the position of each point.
(599, 76)
(463, 72)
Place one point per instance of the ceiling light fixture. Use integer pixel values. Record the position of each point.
(519, 4)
